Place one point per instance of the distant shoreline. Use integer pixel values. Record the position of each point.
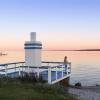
(76, 50)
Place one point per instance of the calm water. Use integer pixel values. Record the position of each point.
(85, 64)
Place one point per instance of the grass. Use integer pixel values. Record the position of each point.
(11, 89)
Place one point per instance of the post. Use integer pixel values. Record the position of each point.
(56, 73)
(62, 71)
(38, 72)
(19, 71)
(49, 75)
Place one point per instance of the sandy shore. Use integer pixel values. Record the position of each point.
(86, 93)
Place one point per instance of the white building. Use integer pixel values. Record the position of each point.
(33, 51)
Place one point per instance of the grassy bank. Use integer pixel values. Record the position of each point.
(17, 90)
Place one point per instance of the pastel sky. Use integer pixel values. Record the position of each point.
(60, 24)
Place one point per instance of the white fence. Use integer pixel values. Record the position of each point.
(55, 71)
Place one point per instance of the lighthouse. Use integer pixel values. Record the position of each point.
(33, 51)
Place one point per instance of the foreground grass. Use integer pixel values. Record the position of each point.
(29, 91)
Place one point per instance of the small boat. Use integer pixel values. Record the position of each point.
(3, 54)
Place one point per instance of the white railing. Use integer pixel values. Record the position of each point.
(60, 68)
(8, 68)
(57, 68)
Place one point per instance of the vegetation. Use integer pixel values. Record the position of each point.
(19, 89)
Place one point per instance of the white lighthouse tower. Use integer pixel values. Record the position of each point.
(33, 51)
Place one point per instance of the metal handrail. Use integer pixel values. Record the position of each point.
(42, 62)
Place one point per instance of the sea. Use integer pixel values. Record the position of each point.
(85, 65)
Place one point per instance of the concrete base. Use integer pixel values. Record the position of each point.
(65, 82)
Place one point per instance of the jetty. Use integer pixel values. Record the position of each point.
(51, 72)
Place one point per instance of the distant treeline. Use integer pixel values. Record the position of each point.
(88, 50)
(76, 50)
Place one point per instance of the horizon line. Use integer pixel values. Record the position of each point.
(73, 50)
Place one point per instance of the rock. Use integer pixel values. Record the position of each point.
(78, 85)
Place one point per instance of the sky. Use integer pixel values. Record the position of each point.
(60, 24)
